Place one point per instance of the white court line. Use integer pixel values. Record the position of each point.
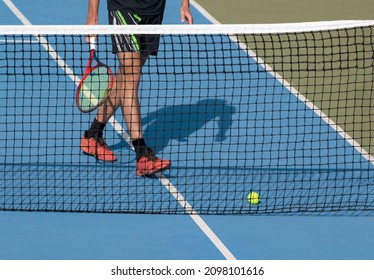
(59, 60)
(293, 90)
(173, 190)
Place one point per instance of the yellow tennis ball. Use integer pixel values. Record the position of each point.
(253, 198)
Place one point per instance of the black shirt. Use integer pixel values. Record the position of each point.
(141, 7)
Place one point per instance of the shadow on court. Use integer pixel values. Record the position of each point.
(179, 122)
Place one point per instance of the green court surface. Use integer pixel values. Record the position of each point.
(276, 11)
(355, 122)
(340, 89)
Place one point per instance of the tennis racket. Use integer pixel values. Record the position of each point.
(96, 83)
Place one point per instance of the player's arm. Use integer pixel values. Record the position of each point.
(186, 12)
(93, 12)
(92, 15)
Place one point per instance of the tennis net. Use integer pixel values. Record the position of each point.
(285, 111)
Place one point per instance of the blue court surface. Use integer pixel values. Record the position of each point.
(31, 235)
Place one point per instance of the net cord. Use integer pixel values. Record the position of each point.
(183, 29)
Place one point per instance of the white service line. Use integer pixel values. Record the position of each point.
(172, 189)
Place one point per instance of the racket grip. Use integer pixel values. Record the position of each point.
(92, 42)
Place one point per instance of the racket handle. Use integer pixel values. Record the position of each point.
(92, 42)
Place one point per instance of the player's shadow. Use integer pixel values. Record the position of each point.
(178, 122)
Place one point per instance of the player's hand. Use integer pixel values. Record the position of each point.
(91, 21)
(186, 14)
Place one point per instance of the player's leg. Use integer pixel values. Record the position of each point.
(92, 142)
(128, 80)
(131, 67)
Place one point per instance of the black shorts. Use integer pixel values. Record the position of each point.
(147, 44)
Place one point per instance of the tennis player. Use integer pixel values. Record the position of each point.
(132, 52)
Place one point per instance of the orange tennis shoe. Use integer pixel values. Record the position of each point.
(98, 148)
(150, 164)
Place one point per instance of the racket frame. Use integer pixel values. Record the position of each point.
(89, 69)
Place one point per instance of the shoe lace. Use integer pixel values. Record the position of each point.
(151, 156)
(148, 154)
(102, 142)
